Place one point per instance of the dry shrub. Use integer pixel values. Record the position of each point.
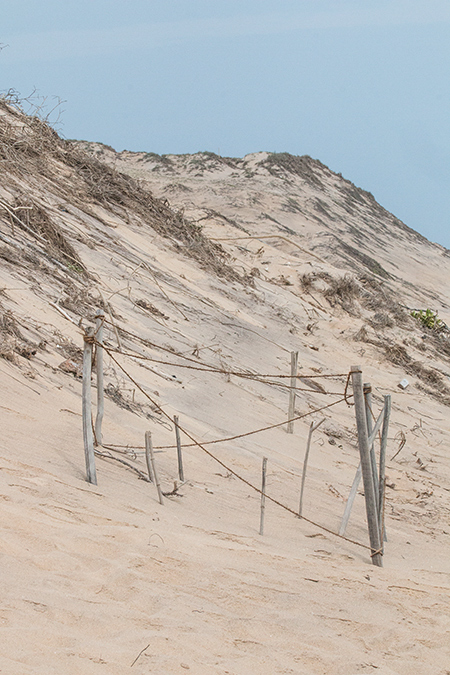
(397, 354)
(29, 145)
(343, 291)
(381, 320)
(12, 342)
(36, 218)
(144, 304)
(307, 281)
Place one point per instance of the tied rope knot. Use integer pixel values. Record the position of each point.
(90, 339)
(374, 553)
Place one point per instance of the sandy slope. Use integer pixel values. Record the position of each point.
(95, 575)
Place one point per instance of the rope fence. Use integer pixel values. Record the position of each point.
(92, 436)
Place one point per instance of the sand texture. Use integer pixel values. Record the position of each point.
(225, 266)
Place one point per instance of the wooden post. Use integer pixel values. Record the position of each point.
(100, 317)
(88, 436)
(291, 411)
(367, 389)
(148, 461)
(382, 477)
(263, 495)
(357, 479)
(366, 466)
(179, 455)
(149, 453)
(313, 426)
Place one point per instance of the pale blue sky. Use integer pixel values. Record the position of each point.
(362, 85)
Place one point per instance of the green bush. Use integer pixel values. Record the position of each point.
(428, 318)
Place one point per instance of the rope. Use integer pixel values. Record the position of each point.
(210, 368)
(246, 376)
(232, 471)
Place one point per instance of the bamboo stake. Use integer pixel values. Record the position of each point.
(382, 477)
(313, 426)
(149, 453)
(100, 316)
(179, 455)
(263, 496)
(291, 411)
(88, 436)
(366, 466)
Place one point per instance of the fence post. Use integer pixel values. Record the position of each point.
(88, 436)
(291, 411)
(366, 466)
(313, 426)
(179, 455)
(367, 389)
(99, 319)
(263, 495)
(149, 453)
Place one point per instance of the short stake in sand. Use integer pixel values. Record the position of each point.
(291, 411)
(312, 428)
(153, 475)
(179, 454)
(263, 495)
(88, 436)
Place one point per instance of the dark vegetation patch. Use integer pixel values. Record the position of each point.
(291, 205)
(305, 167)
(162, 161)
(370, 263)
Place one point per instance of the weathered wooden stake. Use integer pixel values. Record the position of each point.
(100, 317)
(357, 478)
(291, 411)
(367, 389)
(148, 461)
(382, 477)
(149, 453)
(88, 436)
(366, 466)
(263, 495)
(179, 455)
(313, 426)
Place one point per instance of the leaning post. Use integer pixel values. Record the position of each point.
(88, 436)
(366, 466)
